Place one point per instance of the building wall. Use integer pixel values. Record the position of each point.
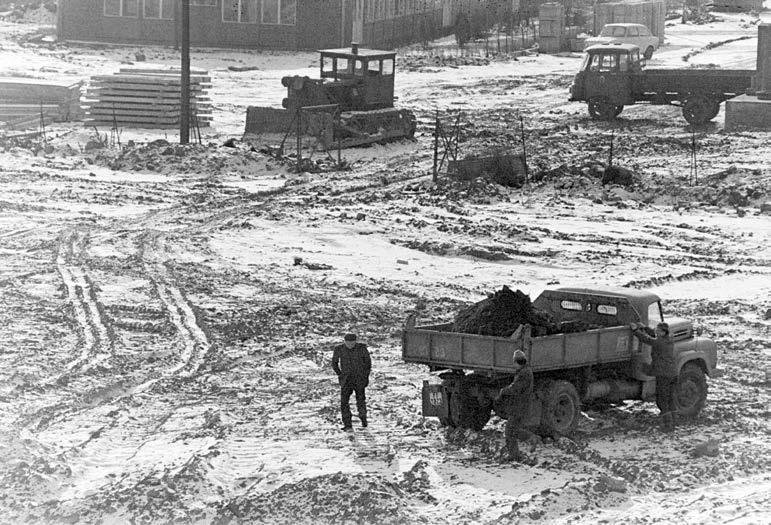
(316, 19)
(319, 24)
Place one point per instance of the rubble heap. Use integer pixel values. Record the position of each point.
(501, 314)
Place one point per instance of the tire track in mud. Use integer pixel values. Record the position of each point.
(98, 343)
(195, 342)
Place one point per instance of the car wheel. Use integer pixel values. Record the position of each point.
(648, 53)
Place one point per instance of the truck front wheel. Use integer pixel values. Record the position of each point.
(699, 110)
(600, 108)
(648, 53)
(561, 408)
(691, 390)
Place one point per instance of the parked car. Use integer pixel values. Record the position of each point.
(636, 34)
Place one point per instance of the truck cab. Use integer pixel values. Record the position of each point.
(605, 79)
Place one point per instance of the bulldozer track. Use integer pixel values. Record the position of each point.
(97, 344)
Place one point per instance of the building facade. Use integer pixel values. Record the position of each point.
(260, 24)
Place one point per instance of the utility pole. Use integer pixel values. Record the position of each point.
(184, 117)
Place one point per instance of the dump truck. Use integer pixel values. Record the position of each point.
(602, 365)
(612, 76)
(351, 104)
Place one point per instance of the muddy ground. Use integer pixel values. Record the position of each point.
(165, 359)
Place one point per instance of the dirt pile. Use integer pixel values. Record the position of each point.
(501, 314)
(160, 156)
(333, 498)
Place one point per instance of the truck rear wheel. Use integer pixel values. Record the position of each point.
(699, 109)
(600, 108)
(691, 390)
(561, 408)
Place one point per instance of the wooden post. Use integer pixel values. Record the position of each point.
(436, 146)
(184, 118)
(524, 147)
(610, 153)
(299, 139)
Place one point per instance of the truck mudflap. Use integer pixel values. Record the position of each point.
(435, 401)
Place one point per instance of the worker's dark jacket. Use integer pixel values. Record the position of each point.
(662, 354)
(352, 366)
(516, 397)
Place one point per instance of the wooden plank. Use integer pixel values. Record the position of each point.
(167, 71)
(136, 112)
(143, 87)
(149, 79)
(142, 100)
(144, 105)
(140, 125)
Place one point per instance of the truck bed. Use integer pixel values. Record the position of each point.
(723, 81)
(437, 346)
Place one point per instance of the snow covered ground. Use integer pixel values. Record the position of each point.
(163, 359)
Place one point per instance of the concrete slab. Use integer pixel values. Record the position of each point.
(747, 111)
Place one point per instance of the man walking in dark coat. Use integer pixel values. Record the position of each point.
(352, 364)
(516, 400)
(663, 367)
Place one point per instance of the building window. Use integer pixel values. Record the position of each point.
(212, 3)
(241, 11)
(121, 8)
(161, 9)
(283, 12)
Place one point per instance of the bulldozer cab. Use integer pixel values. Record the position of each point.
(368, 73)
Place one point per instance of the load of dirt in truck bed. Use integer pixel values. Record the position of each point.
(504, 311)
(501, 314)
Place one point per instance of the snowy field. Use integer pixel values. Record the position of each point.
(163, 360)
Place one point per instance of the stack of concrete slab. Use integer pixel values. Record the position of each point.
(26, 103)
(146, 98)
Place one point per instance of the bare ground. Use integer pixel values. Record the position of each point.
(164, 359)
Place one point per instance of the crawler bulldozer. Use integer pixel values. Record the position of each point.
(352, 104)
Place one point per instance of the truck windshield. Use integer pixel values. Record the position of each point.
(654, 314)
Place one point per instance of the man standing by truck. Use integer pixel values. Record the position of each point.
(352, 363)
(516, 399)
(663, 367)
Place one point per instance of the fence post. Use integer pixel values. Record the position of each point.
(524, 148)
(436, 146)
(299, 140)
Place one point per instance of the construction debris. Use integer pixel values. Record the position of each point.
(147, 97)
(26, 103)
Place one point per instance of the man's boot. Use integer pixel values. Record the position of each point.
(666, 422)
(363, 421)
(671, 422)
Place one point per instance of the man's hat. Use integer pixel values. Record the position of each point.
(350, 337)
(519, 357)
(663, 326)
